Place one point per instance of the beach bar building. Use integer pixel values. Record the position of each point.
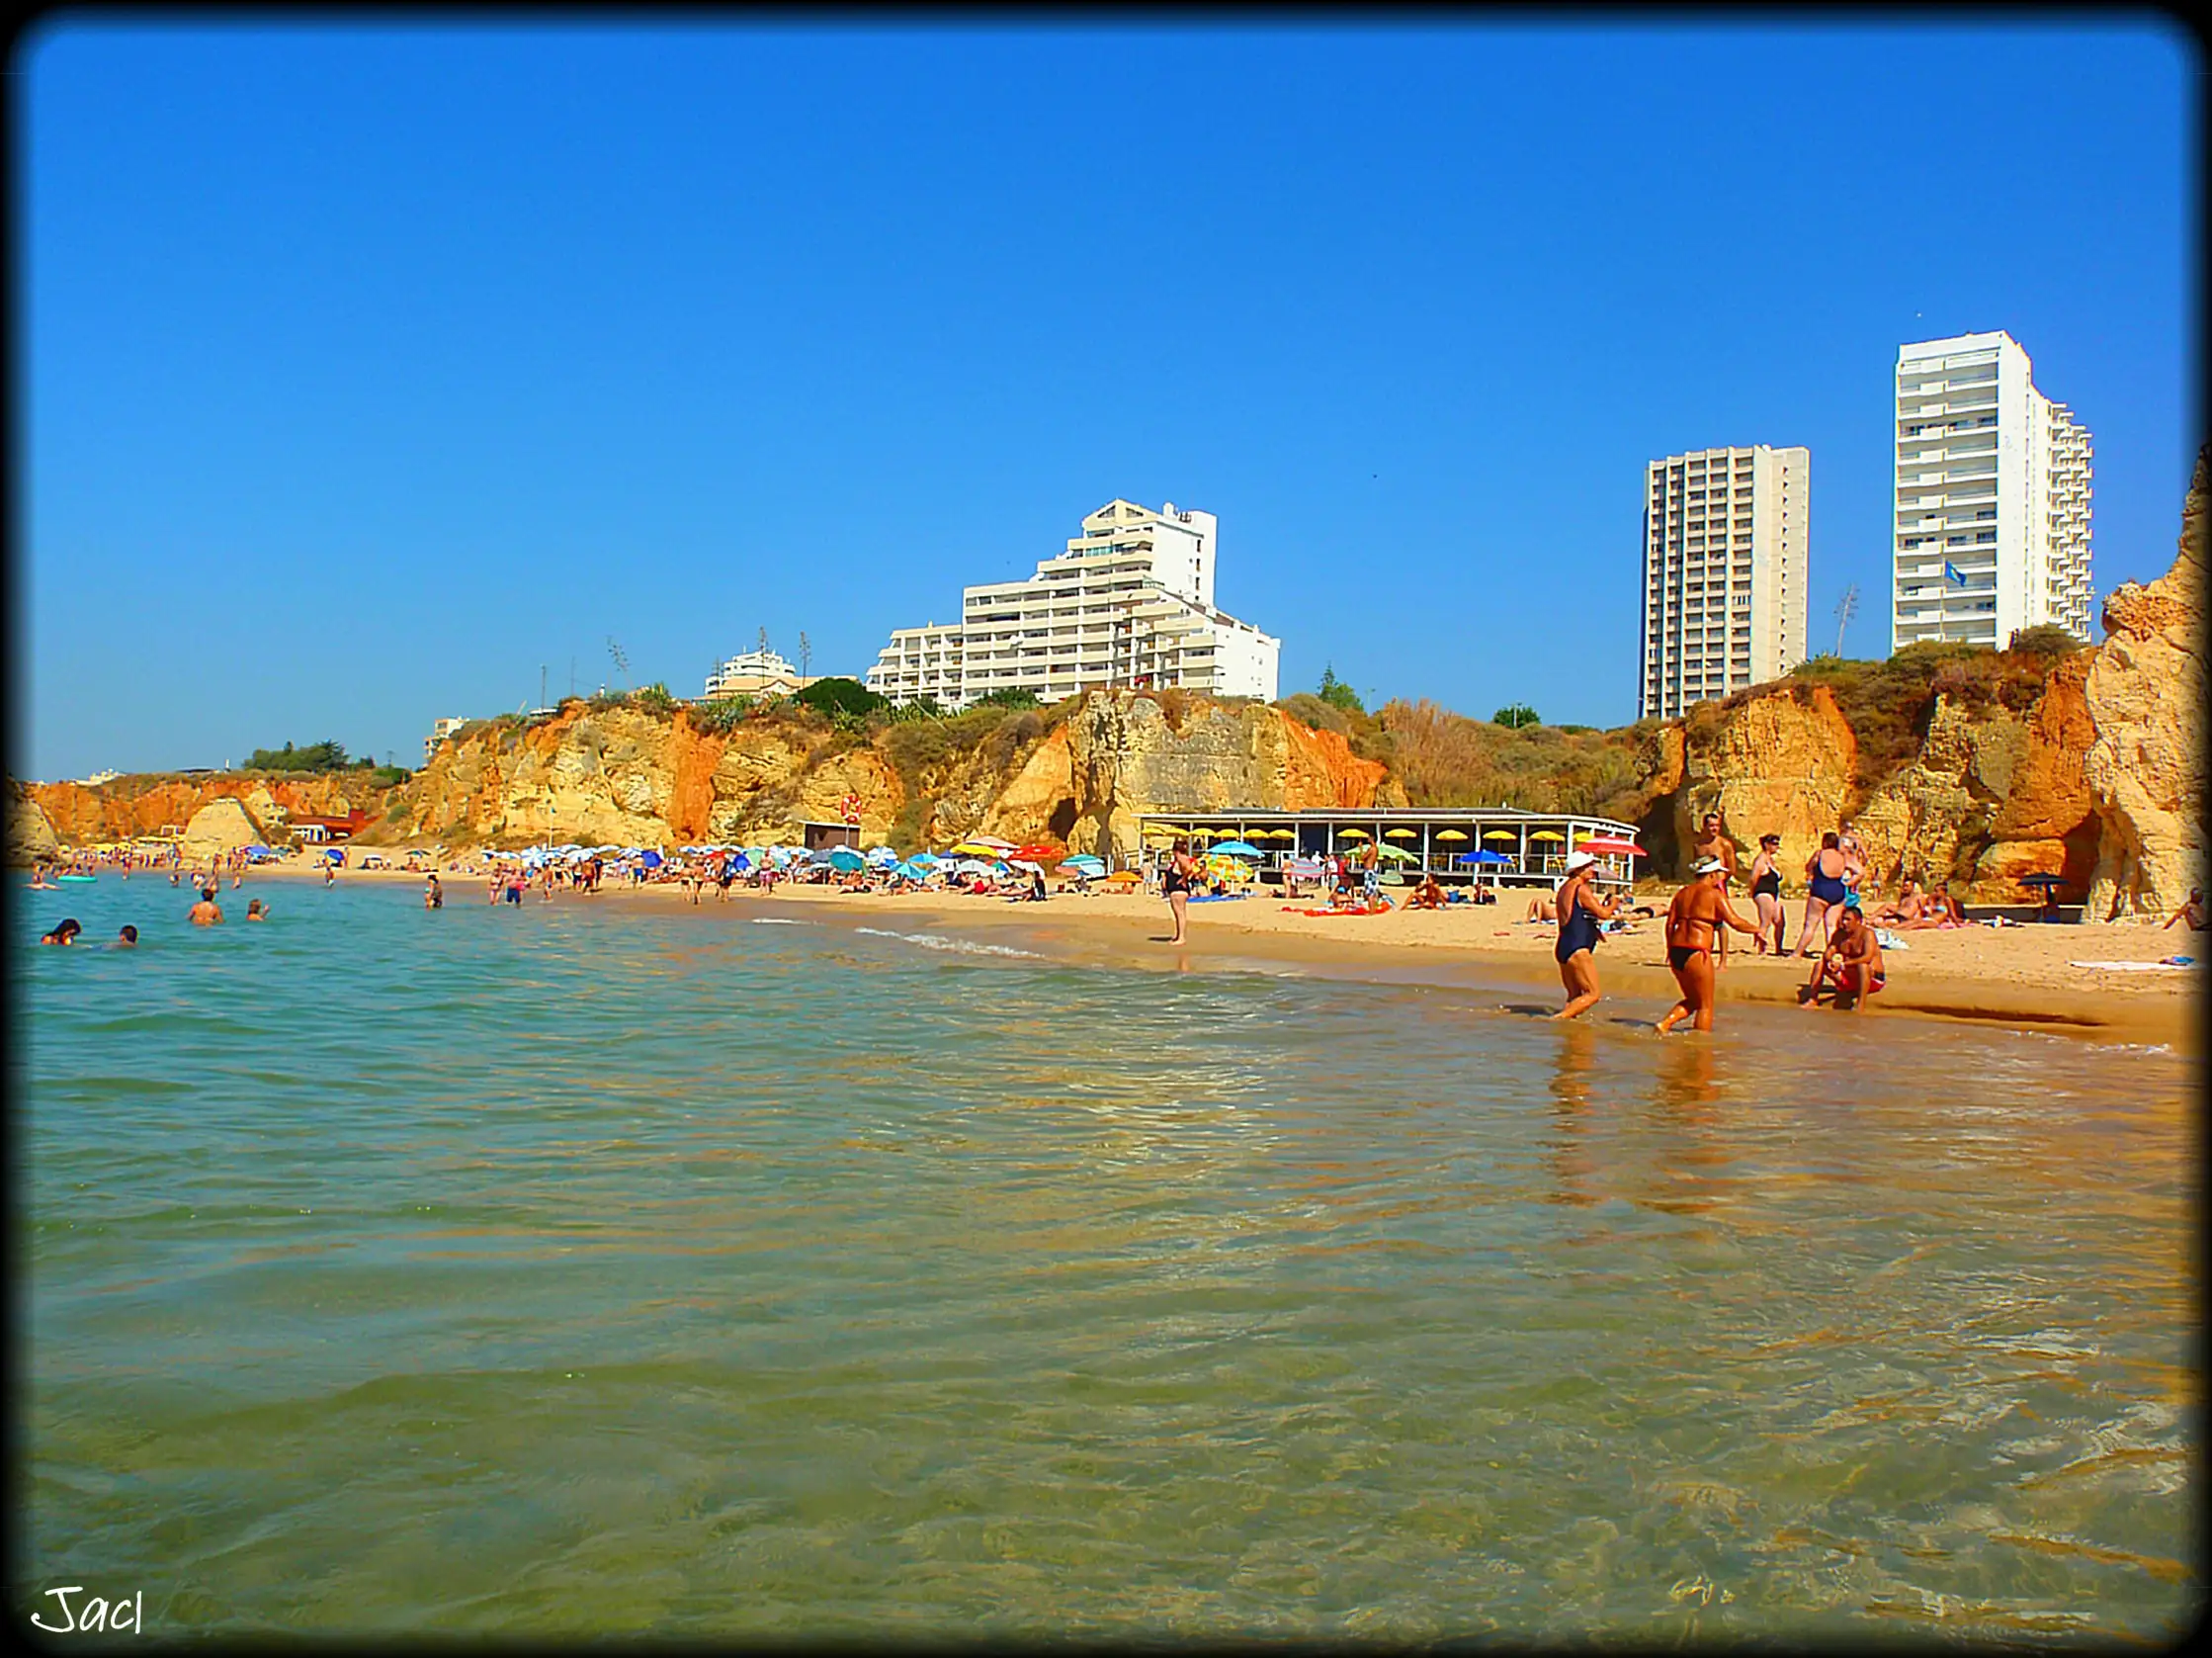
(1454, 843)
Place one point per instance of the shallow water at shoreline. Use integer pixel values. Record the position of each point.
(644, 1269)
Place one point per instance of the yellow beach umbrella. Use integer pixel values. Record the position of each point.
(1547, 835)
(975, 849)
(1500, 834)
(1399, 834)
(1451, 834)
(1351, 835)
(1284, 833)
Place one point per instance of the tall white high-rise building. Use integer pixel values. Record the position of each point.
(1725, 543)
(1130, 602)
(1991, 529)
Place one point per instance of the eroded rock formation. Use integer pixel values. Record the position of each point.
(2145, 695)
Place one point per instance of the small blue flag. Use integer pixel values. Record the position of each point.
(1951, 574)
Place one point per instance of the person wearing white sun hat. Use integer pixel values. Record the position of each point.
(1579, 914)
(1698, 912)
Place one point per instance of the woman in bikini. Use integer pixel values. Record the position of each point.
(1766, 894)
(1825, 871)
(1176, 883)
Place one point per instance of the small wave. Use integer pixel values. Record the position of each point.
(783, 920)
(960, 947)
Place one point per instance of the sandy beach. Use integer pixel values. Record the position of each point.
(2028, 977)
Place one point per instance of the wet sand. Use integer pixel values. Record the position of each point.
(2024, 977)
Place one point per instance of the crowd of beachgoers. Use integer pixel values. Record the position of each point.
(1843, 930)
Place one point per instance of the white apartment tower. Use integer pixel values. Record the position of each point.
(1723, 573)
(1129, 602)
(1992, 531)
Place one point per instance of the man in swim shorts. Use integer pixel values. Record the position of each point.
(1697, 913)
(1712, 843)
(1579, 912)
(1852, 962)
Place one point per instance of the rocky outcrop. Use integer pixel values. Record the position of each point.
(2145, 694)
(83, 814)
(632, 777)
(221, 827)
(29, 835)
(1771, 766)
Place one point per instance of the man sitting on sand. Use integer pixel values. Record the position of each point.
(1852, 963)
(2192, 910)
(1429, 895)
(1698, 912)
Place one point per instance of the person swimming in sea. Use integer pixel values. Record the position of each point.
(256, 911)
(206, 912)
(126, 939)
(433, 894)
(64, 933)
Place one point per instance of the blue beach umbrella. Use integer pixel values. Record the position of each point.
(1084, 863)
(924, 860)
(652, 859)
(1485, 855)
(846, 860)
(1234, 849)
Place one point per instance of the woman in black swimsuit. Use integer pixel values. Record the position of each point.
(1766, 893)
(1578, 913)
(1181, 870)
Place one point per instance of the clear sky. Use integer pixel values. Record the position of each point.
(363, 372)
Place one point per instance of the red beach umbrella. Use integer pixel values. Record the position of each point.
(1609, 843)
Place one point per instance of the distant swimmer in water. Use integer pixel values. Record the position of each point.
(172, 878)
(206, 912)
(433, 894)
(126, 939)
(40, 883)
(330, 873)
(64, 933)
(1578, 915)
(255, 911)
(1699, 910)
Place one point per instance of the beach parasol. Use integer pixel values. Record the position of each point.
(1041, 852)
(992, 841)
(1396, 854)
(1281, 833)
(1026, 866)
(1351, 835)
(924, 860)
(1124, 878)
(1500, 834)
(1546, 834)
(882, 858)
(652, 859)
(976, 849)
(1401, 833)
(1236, 849)
(1610, 843)
(1485, 855)
(1086, 866)
(1451, 834)
(845, 860)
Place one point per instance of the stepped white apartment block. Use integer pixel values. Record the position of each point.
(1725, 541)
(1130, 603)
(1992, 525)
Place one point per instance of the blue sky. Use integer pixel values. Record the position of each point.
(366, 371)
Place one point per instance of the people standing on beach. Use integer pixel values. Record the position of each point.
(1766, 893)
(1370, 875)
(206, 912)
(1823, 871)
(1699, 913)
(1579, 910)
(1714, 842)
(65, 932)
(330, 873)
(1176, 881)
(1852, 963)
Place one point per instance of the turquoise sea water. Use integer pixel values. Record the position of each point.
(623, 1266)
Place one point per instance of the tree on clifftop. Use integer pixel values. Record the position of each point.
(1336, 693)
(1514, 715)
(841, 696)
(326, 755)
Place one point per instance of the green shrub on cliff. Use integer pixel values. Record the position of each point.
(1443, 758)
(326, 755)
